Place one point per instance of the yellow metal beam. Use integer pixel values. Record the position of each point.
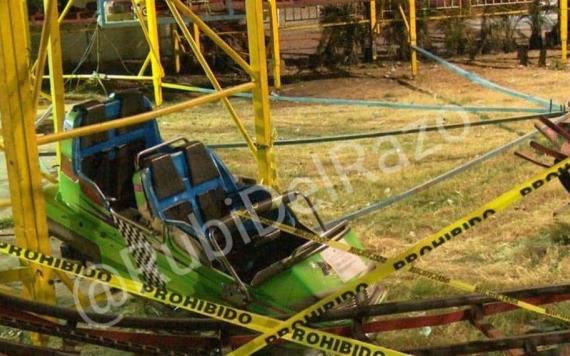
(413, 38)
(267, 172)
(176, 49)
(144, 66)
(275, 44)
(373, 28)
(85, 300)
(324, 25)
(17, 115)
(5, 203)
(144, 117)
(105, 77)
(65, 11)
(210, 74)
(45, 176)
(155, 56)
(564, 30)
(404, 19)
(157, 72)
(211, 34)
(42, 52)
(19, 274)
(27, 36)
(55, 63)
(197, 35)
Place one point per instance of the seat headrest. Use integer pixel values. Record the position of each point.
(165, 178)
(93, 112)
(132, 103)
(200, 162)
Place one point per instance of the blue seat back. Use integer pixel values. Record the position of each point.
(197, 184)
(107, 159)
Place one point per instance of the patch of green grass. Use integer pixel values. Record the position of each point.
(6, 223)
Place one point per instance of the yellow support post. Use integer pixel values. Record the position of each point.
(5, 203)
(257, 56)
(413, 37)
(212, 35)
(275, 44)
(210, 74)
(175, 48)
(157, 72)
(17, 116)
(139, 14)
(65, 10)
(19, 274)
(27, 36)
(196, 33)
(38, 67)
(55, 63)
(144, 65)
(373, 29)
(564, 30)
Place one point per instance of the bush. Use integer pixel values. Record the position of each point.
(342, 45)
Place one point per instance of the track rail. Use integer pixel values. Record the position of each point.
(161, 335)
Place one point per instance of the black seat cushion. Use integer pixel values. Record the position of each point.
(93, 112)
(212, 204)
(97, 167)
(165, 178)
(200, 163)
(180, 212)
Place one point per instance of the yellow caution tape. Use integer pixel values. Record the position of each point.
(454, 283)
(314, 339)
(405, 259)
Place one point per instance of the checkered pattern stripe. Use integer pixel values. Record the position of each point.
(141, 251)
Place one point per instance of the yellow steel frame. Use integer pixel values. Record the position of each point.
(413, 37)
(275, 43)
(564, 30)
(197, 36)
(373, 29)
(261, 147)
(210, 74)
(263, 129)
(17, 108)
(153, 48)
(144, 117)
(27, 36)
(156, 66)
(176, 49)
(21, 90)
(55, 63)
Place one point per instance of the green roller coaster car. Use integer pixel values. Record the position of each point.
(132, 202)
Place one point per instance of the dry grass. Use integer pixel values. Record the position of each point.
(522, 247)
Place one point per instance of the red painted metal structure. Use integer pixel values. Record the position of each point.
(164, 335)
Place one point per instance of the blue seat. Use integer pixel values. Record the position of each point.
(188, 180)
(189, 186)
(107, 159)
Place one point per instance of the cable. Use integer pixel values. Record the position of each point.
(432, 182)
(474, 78)
(366, 103)
(367, 135)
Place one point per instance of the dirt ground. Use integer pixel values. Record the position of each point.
(524, 246)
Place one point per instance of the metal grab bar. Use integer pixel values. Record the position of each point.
(143, 153)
